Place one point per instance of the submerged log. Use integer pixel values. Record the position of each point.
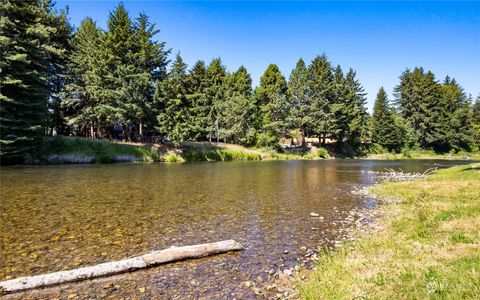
(116, 267)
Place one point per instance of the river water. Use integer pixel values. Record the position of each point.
(62, 217)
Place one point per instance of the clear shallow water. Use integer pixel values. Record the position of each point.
(62, 217)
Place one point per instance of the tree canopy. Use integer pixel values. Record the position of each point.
(119, 83)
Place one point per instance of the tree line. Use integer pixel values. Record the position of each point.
(123, 83)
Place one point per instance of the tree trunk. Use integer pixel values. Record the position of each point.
(303, 136)
(121, 266)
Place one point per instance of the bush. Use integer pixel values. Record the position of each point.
(322, 153)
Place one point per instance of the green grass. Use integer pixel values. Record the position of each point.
(220, 155)
(424, 154)
(58, 149)
(429, 247)
(80, 150)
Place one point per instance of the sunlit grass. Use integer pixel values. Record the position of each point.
(429, 247)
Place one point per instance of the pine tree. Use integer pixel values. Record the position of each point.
(456, 116)
(271, 101)
(61, 40)
(355, 111)
(385, 130)
(299, 100)
(476, 124)
(148, 65)
(321, 89)
(172, 104)
(197, 80)
(78, 104)
(24, 64)
(214, 95)
(236, 111)
(418, 98)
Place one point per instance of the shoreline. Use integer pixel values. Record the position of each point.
(363, 268)
(74, 150)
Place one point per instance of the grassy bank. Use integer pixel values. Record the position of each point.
(429, 248)
(425, 154)
(80, 150)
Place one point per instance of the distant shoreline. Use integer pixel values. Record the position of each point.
(73, 150)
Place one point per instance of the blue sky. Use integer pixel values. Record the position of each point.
(377, 39)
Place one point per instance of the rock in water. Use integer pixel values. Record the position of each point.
(312, 214)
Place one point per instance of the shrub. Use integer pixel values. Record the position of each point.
(322, 153)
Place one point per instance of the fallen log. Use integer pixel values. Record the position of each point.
(140, 262)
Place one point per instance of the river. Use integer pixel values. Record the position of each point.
(62, 217)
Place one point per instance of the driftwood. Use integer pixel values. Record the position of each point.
(393, 175)
(115, 267)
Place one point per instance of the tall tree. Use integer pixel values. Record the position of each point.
(476, 123)
(61, 39)
(271, 100)
(149, 60)
(456, 116)
(385, 129)
(321, 84)
(172, 104)
(200, 110)
(235, 113)
(299, 99)
(214, 95)
(418, 98)
(24, 63)
(78, 104)
(355, 111)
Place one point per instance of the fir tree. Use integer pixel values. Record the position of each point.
(321, 85)
(24, 63)
(299, 101)
(214, 95)
(355, 111)
(235, 113)
(78, 104)
(271, 101)
(385, 131)
(58, 67)
(456, 116)
(476, 123)
(418, 97)
(197, 80)
(172, 104)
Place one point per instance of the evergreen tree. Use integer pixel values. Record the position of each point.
(476, 123)
(385, 130)
(78, 104)
(299, 101)
(61, 40)
(236, 111)
(148, 67)
(456, 116)
(172, 104)
(321, 89)
(24, 63)
(200, 111)
(271, 101)
(214, 95)
(355, 111)
(418, 97)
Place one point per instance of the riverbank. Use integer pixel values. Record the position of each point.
(74, 150)
(58, 150)
(425, 154)
(429, 246)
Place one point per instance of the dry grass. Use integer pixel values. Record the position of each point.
(429, 249)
